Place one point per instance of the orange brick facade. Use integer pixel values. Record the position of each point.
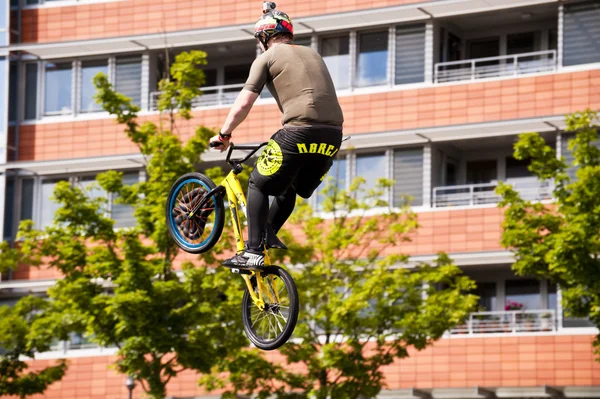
(135, 17)
(456, 362)
(525, 97)
(460, 361)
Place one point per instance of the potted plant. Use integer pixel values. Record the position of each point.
(512, 306)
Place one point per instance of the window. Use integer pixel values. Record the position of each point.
(31, 84)
(12, 87)
(372, 59)
(483, 48)
(410, 54)
(27, 197)
(92, 189)
(336, 54)
(525, 292)
(128, 77)
(408, 176)
(9, 193)
(451, 173)
(236, 74)
(336, 176)
(553, 39)
(210, 77)
(581, 36)
(58, 82)
(122, 213)
(487, 296)
(552, 299)
(481, 171)
(519, 43)
(47, 206)
(89, 69)
(10, 302)
(3, 88)
(516, 168)
(12, 215)
(370, 167)
(303, 41)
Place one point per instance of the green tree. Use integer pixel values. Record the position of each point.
(121, 287)
(361, 308)
(20, 337)
(561, 241)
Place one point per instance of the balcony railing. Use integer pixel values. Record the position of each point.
(530, 189)
(508, 322)
(212, 96)
(492, 67)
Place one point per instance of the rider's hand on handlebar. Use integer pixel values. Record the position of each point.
(218, 144)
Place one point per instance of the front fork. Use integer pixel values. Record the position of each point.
(262, 287)
(233, 187)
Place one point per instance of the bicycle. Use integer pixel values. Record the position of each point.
(195, 219)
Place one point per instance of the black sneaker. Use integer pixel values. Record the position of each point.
(246, 261)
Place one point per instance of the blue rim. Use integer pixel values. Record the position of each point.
(175, 229)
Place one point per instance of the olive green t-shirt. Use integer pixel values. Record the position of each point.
(299, 80)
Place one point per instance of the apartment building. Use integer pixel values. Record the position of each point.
(434, 94)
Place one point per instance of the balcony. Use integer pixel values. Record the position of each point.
(494, 67)
(212, 96)
(530, 189)
(508, 322)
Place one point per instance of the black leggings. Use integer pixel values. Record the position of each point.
(259, 214)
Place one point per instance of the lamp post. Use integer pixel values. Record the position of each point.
(130, 384)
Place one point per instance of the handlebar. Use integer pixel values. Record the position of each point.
(252, 148)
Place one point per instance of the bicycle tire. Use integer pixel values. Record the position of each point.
(182, 242)
(294, 307)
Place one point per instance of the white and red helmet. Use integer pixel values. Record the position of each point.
(271, 23)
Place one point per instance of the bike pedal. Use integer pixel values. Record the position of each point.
(240, 271)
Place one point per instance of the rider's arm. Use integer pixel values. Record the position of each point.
(244, 102)
(239, 111)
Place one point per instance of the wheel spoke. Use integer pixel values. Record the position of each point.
(257, 320)
(277, 320)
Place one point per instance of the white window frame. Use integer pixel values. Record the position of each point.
(76, 86)
(38, 201)
(356, 45)
(42, 90)
(79, 81)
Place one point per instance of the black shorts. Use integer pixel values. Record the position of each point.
(297, 157)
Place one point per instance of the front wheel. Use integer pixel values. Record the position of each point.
(194, 230)
(270, 327)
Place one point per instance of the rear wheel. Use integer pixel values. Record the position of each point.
(272, 326)
(198, 232)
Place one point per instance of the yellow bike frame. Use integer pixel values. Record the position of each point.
(237, 200)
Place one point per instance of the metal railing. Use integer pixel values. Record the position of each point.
(77, 341)
(491, 67)
(530, 189)
(211, 96)
(508, 322)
